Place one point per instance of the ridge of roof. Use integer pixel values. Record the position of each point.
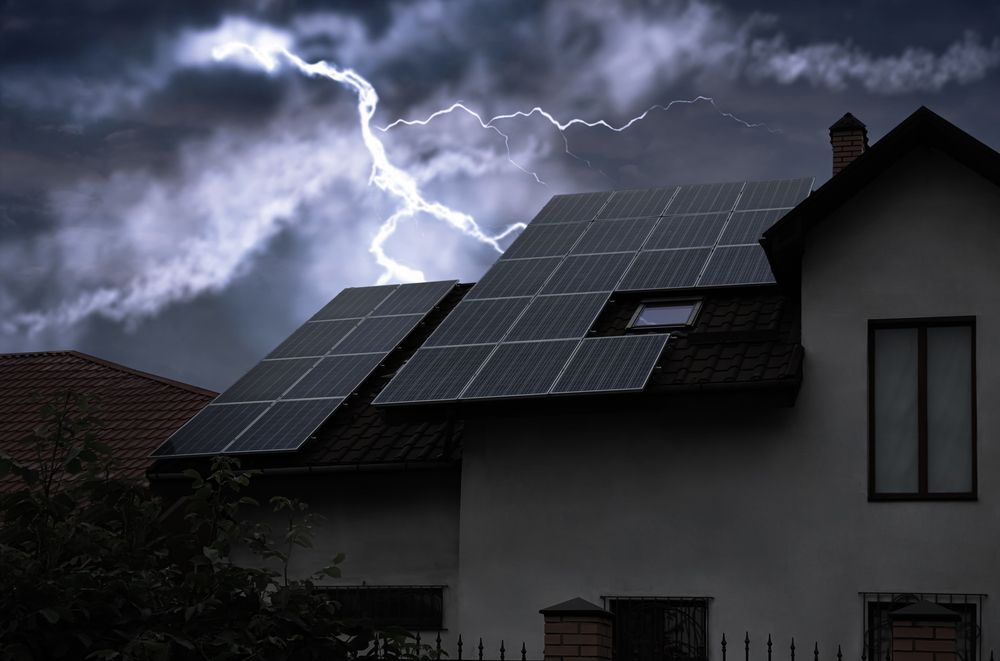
(782, 241)
(115, 366)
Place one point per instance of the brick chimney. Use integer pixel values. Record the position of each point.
(849, 139)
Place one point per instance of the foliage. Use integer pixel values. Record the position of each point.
(94, 567)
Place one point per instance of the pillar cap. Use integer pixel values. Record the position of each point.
(575, 606)
(848, 123)
(924, 610)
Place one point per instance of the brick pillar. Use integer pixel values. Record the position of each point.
(849, 139)
(924, 631)
(577, 630)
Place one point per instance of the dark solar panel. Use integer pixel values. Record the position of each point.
(336, 376)
(687, 231)
(519, 369)
(380, 334)
(354, 302)
(477, 322)
(211, 430)
(314, 338)
(611, 364)
(614, 236)
(267, 380)
(748, 226)
(737, 265)
(434, 375)
(584, 273)
(415, 298)
(782, 193)
(665, 269)
(637, 203)
(285, 427)
(545, 240)
(704, 198)
(559, 316)
(519, 277)
(580, 207)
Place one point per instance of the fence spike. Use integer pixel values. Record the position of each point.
(768, 647)
(459, 647)
(793, 648)
(437, 646)
(480, 649)
(723, 647)
(816, 651)
(418, 642)
(840, 656)
(746, 646)
(991, 655)
(502, 651)
(524, 652)
(888, 651)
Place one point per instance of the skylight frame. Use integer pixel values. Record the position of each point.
(694, 303)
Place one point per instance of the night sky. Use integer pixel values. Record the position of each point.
(182, 215)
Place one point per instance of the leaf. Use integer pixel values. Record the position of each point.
(103, 655)
(49, 615)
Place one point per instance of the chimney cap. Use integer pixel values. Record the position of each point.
(848, 123)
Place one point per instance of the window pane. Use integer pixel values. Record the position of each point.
(672, 314)
(949, 409)
(896, 425)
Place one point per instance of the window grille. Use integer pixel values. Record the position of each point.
(878, 626)
(659, 628)
(417, 608)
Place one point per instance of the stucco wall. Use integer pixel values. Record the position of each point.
(765, 511)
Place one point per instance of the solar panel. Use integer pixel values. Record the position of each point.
(285, 426)
(748, 226)
(614, 236)
(477, 322)
(611, 364)
(354, 302)
(558, 316)
(336, 376)
(584, 273)
(665, 269)
(314, 338)
(637, 203)
(434, 375)
(737, 265)
(687, 231)
(519, 277)
(214, 427)
(703, 198)
(777, 194)
(545, 240)
(380, 334)
(576, 208)
(267, 380)
(415, 298)
(520, 369)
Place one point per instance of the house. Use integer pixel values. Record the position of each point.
(706, 409)
(137, 411)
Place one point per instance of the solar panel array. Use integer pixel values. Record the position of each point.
(281, 401)
(521, 331)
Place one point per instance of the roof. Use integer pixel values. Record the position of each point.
(783, 241)
(137, 410)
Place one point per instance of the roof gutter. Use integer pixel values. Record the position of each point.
(322, 470)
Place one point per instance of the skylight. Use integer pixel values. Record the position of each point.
(666, 313)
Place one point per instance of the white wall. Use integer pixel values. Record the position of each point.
(766, 511)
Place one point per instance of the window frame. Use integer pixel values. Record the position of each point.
(695, 304)
(921, 324)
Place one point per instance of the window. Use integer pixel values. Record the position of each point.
(878, 626)
(659, 628)
(921, 409)
(665, 313)
(417, 608)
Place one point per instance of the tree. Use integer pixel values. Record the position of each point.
(91, 567)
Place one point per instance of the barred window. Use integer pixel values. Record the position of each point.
(659, 628)
(417, 608)
(878, 626)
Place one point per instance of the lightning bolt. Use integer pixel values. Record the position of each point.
(562, 126)
(384, 175)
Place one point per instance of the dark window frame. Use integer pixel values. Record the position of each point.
(920, 324)
(680, 603)
(433, 620)
(695, 304)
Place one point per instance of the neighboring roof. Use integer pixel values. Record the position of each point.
(138, 410)
(783, 241)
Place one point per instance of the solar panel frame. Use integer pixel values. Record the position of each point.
(438, 374)
(589, 273)
(665, 269)
(520, 369)
(746, 227)
(267, 380)
(354, 302)
(614, 236)
(737, 265)
(285, 419)
(552, 240)
(513, 278)
(775, 194)
(620, 363)
(335, 376)
(558, 316)
(645, 203)
(216, 425)
(687, 231)
(415, 298)
(478, 322)
(378, 334)
(705, 198)
(572, 208)
(314, 338)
